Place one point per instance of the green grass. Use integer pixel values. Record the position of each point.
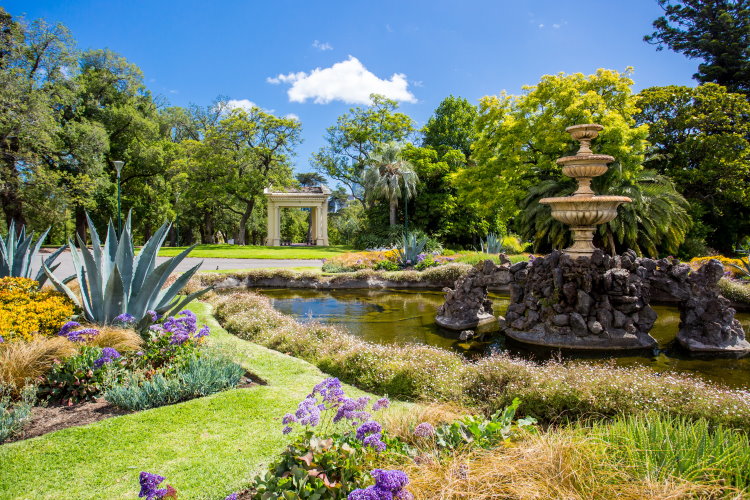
(257, 252)
(207, 447)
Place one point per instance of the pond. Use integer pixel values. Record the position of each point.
(396, 316)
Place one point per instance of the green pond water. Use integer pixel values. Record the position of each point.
(397, 316)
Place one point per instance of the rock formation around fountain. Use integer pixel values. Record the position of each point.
(707, 322)
(601, 302)
(467, 305)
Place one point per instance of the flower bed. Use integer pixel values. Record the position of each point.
(168, 363)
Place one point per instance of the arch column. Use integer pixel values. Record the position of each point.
(316, 198)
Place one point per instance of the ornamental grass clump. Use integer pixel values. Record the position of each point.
(22, 363)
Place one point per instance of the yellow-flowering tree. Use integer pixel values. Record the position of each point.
(521, 136)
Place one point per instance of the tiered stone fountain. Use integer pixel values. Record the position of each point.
(583, 210)
(582, 298)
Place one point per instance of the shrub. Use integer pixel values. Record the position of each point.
(734, 290)
(26, 311)
(550, 391)
(82, 377)
(731, 266)
(24, 362)
(14, 413)
(198, 376)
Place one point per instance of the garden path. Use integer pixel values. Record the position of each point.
(209, 264)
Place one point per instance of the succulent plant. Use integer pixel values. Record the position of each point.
(115, 281)
(17, 252)
(744, 269)
(493, 244)
(411, 246)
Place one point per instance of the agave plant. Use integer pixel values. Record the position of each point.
(493, 244)
(115, 281)
(18, 251)
(411, 246)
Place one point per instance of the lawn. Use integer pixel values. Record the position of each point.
(257, 252)
(207, 447)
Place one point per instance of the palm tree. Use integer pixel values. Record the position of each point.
(657, 220)
(389, 177)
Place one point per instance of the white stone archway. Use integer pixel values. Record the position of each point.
(315, 198)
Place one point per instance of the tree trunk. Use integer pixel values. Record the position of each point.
(393, 212)
(9, 199)
(207, 230)
(81, 222)
(242, 233)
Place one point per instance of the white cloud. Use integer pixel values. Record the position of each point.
(541, 26)
(292, 116)
(556, 26)
(174, 91)
(245, 104)
(348, 81)
(322, 45)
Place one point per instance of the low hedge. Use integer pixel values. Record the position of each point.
(550, 391)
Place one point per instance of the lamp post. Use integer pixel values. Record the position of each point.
(118, 166)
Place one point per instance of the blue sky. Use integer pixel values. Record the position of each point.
(417, 51)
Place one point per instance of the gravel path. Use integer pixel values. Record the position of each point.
(212, 264)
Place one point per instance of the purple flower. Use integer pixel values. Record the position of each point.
(288, 419)
(179, 338)
(203, 332)
(421, 257)
(150, 486)
(233, 496)
(154, 316)
(109, 354)
(124, 318)
(371, 427)
(381, 403)
(2, 340)
(330, 390)
(82, 334)
(374, 441)
(424, 430)
(388, 485)
(286, 430)
(67, 327)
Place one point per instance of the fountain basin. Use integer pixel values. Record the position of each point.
(578, 211)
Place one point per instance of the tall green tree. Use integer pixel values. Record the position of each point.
(390, 177)
(715, 31)
(451, 126)
(34, 58)
(355, 136)
(520, 137)
(700, 138)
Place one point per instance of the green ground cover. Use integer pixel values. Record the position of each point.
(207, 447)
(224, 251)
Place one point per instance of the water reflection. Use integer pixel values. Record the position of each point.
(397, 316)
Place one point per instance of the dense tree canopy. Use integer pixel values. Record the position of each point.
(700, 138)
(355, 136)
(716, 31)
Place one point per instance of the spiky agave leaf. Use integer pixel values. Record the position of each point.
(18, 251)
(113, 280)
